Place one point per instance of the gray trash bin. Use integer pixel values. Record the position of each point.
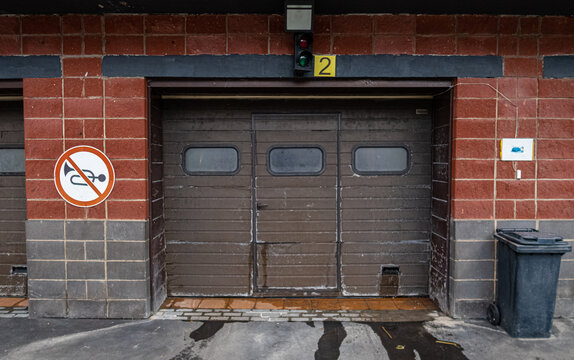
(527, 272)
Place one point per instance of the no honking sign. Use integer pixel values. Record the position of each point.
(84, 176)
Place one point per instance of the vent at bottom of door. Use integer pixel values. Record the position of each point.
(389, 284)
(19, 270)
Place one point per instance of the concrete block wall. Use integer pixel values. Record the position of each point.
(88, 269)
(84, 107)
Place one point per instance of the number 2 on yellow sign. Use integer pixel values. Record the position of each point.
(325, 65)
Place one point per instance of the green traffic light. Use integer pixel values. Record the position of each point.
(303, 60)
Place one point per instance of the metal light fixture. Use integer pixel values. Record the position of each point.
(299, 15)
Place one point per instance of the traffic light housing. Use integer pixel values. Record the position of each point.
(303, 53)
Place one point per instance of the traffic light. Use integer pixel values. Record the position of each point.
(303, 53)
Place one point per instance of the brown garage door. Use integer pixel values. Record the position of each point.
(260, 198)
(12, 201)
(296, 181)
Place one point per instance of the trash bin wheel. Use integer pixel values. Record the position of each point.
(493, 314)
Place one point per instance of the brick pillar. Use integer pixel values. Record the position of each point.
(87, 262)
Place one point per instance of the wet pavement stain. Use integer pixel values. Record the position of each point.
(207, 330)
(405, 340)
(330, 343)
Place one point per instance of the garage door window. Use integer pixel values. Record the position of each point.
(380, 160)
(12, 161)
(300, 160)
(212, 160)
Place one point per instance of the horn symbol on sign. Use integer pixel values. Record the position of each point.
(77, 179)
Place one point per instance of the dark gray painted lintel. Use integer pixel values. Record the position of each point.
(281, 66)
(558, 66)
(20, 67)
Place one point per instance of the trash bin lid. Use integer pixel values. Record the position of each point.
(529, 236)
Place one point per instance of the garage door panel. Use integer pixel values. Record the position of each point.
(377, 214)
(402, 247)
(298, 216)
(281, 237)
(414, 270)
(13, 204)
(215, 225)
(382, 137)
(385, 258)
(207, 192)
(13, 214)
(209, 214)
(291, 122)
(385, 203)
(280, 182)
(211, 181)
(175, 260)
(268, 138)
(219, 203)
(348, 181)
(209, 270)
(295, 192)
(385, 236)
(215, 248)
(214, 280)
(205, 137)
(206, 122)
(213, 236)
(385, 225)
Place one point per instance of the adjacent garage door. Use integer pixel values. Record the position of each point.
(12, 200)
(333, 198)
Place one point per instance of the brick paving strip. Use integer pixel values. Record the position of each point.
(361, 310)
(13, 307)
(277, 310)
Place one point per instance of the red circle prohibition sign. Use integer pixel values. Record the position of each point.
(83, 180)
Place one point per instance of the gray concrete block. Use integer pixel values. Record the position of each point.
(86, 309)
(473, 250)
(471, 309)
(479, 270)
(565, 289)
(38, 269)
(564, 308)
(127, 250)
(564, 228)
(95, 250)
(128, 289)
(76, 289)
(473, 289)
(516, 224)
(85, 230)
(44, 230)
(566, 269)
(45, 250)
(75, 250)
(47, 289)
(128, 309)
(86, 270)
(47, 308)
(472, 229)
(96, 290)
(127, 230)
(128, 270)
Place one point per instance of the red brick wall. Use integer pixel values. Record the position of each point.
(84, 107)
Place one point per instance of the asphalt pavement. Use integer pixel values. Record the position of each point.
(440, 338)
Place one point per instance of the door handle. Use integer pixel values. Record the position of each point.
(262, 206)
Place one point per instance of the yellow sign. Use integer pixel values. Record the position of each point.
(325, 65)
